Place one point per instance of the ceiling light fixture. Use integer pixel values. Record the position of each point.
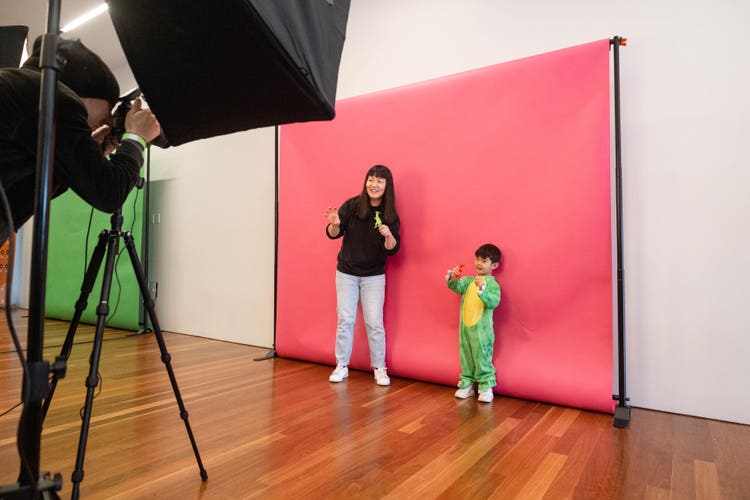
(84, 18)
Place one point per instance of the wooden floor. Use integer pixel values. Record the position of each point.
(279, 429)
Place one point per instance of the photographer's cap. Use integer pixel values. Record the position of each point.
(83, 71)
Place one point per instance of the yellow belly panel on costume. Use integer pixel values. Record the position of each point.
(473, 307)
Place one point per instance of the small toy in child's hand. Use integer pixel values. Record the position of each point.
(457, 274)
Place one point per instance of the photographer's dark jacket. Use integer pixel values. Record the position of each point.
(79, 163)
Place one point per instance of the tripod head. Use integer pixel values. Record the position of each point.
(115, 221)
(116, 218)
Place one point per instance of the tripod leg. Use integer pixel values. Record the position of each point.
(92, 271)
(166, 358)
(93, 379)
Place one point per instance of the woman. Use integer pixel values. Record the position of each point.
(369, 225)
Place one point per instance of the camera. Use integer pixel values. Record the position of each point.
(120, 111)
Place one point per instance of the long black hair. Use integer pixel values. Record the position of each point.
(388, 206)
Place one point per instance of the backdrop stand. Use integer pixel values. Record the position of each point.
(146, 242)
(272, 351)
(622, 410)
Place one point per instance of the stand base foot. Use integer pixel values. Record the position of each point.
(622, 417)
(269, 355)
(47, 488)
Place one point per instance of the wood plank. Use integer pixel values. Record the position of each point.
(434, 478)
(731, 447)
(540, 481)
(706, 481)
(563, 422)
(585, 469)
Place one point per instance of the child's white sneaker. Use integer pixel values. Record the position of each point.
(339, 374)
(486, 396)
(464, 393)
(381, 376)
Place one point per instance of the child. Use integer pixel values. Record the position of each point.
(480, 295)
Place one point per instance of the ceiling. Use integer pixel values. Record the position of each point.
(98, 34)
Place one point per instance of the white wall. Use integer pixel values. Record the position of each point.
(212, 249)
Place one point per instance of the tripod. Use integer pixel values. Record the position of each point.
(109, 242)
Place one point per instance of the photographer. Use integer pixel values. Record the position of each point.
(87, 90)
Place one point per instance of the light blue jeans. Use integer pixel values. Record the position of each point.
(350, 290)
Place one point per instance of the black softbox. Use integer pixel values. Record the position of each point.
(212, 68)
(12, 39)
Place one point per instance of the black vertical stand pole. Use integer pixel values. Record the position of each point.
(146, 233)
(272, 351)
(39, 370)
(622, 410)
(31, 483)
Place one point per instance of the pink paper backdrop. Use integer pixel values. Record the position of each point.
(515, 154)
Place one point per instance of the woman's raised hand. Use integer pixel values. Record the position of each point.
(332, 214)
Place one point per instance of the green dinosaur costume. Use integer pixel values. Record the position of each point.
(476, 332)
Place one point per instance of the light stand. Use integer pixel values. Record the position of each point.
(38, 368)
(35, 385)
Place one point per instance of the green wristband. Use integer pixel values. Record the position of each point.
(135, 137)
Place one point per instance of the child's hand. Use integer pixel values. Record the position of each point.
(332, 214)
(479, 282)
(455, 273)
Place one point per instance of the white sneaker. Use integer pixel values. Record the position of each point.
(381, 376)
(486, 396)
(464, 393)
(339, 374)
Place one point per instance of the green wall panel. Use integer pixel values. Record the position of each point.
(69, 222)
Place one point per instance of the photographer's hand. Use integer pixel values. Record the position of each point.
(103, 137)
(142, 122)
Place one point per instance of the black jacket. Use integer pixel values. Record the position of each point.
(362, 251)
(79, 163)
